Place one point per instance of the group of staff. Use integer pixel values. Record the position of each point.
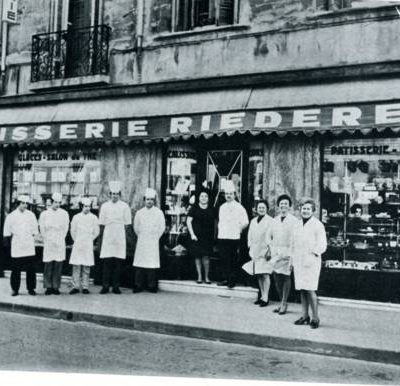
(115, 219)
(277, 246)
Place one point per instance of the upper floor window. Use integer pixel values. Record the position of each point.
(191, 14)
(333, 5)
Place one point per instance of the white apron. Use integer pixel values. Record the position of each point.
(282, 233)
(22, 226)
(54, 228)
(309, 244)
(84, 229)
(258, 242)
(149, 225)
(114, 217)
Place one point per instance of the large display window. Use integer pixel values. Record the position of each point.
(181, 185)
(72, 172)
(361, 204)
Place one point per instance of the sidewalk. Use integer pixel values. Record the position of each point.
(367, 334)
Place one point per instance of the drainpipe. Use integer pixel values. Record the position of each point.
(139, 26)
(4, 38)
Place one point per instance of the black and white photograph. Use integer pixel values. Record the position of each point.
(200, 191)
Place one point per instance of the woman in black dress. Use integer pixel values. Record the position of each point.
(200, 223)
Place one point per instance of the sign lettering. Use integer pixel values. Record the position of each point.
(363, 117)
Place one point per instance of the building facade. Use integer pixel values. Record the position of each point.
(289, 96)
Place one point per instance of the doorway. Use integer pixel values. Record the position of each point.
(224, 165)
(83, 17)
(220, 160)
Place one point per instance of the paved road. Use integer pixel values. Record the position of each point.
(31, 343)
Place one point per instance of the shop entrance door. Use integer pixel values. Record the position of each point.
(223, 165)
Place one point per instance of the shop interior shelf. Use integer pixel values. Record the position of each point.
(370, 234)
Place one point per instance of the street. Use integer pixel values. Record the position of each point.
(40, 344)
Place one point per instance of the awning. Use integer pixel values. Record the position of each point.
(208, 113)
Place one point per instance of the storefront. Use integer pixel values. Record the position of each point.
(345, 157)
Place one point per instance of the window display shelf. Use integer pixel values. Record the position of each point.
(361, 207)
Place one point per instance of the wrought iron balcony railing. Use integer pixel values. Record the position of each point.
(70, 53)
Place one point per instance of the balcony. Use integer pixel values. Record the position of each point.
(70, 58)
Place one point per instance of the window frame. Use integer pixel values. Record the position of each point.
(191, 13)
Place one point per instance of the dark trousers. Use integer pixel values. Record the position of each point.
(228, 252)
(26, 264)
(111, 272)
(52, 274)
(146, 278)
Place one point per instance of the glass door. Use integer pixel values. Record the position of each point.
(224, 165)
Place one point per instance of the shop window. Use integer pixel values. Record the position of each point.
(361, 204)
(256, 176)
(191, 14)
(181, 186)
(73, 173)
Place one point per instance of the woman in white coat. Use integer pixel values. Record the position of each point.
(84, 229)
(149, 225)
(308, 245)
(53, 224)
(258, 243)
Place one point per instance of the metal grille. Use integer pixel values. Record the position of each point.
(70, 53)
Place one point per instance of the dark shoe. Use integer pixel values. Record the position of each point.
(137, 290)
(48, 291)
(222, 283)
(85, 291)
(231, 285)
(282, 312)
(32, 292)
(116, 291)
(276, 310)
(14, 293)
(314, 323)
(199, 281)
(56, 292)
(207, 282)
(263, 304)
(258, 301)
(104, 290)
(302, 321)
(74, 291)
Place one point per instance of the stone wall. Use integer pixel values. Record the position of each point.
(271, 36)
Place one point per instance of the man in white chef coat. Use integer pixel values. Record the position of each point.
(233, 220)
(115, 218)
(53, 224)
(149, 226)
(21, 226)
(84, 229)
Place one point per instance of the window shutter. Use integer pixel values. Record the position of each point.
(226, 12)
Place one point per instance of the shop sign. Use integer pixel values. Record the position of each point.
(370, 148)
(285, 120)
(10, 9)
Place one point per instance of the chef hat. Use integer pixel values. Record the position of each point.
(56, 197)
(115, 186)
(86, 201)
(150, 193)
(229, 187)
(23, 198)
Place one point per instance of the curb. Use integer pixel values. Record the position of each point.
(248, 339)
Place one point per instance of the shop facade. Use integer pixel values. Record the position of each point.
(344, 156)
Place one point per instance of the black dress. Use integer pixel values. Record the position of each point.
(203, 227)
